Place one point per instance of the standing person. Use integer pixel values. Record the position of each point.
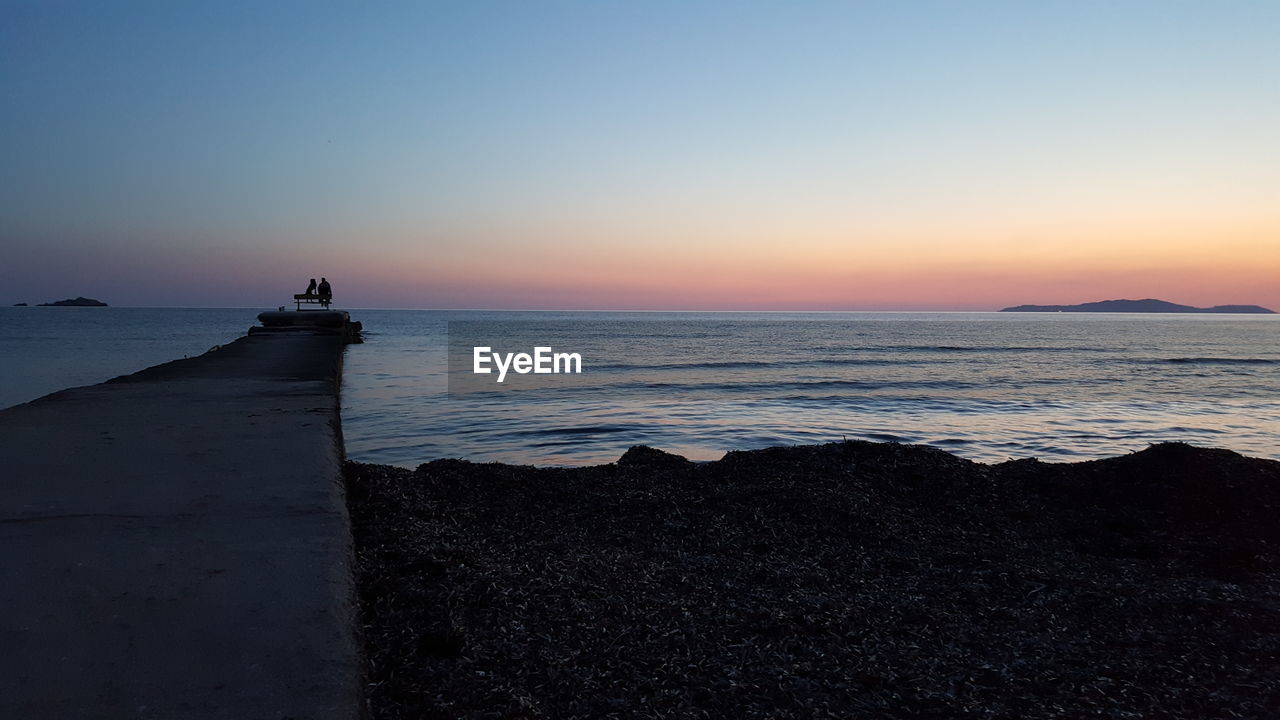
(311, 289)
(326, 292)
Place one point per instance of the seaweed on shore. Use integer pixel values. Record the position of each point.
(845, 580)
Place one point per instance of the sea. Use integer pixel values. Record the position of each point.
(985, 386)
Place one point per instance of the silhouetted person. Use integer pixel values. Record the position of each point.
(311, 289)
(326, 292)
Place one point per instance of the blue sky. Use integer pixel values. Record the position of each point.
(211, 153)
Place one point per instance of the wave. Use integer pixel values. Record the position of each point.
(793, 362)
(747, 364)
(979, 348)
(1223, 361)
(770, 387)
(711, 365)
(579, 430)
(888, 437)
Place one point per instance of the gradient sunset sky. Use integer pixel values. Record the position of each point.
(641, 155)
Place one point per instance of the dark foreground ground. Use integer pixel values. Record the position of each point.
(845, 580)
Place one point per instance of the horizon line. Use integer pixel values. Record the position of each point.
(642, 310)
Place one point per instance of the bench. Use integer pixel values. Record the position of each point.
(309, 299)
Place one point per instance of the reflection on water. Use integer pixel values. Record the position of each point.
(983, 385)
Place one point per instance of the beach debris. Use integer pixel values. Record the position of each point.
(849, 579)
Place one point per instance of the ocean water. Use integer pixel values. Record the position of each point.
(987, 386)
(46, 349)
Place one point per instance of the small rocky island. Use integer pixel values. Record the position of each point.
(1148, 305)
(77, 302)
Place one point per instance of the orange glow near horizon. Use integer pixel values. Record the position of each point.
(904, 268)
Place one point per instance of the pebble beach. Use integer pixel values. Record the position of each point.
(839, 580)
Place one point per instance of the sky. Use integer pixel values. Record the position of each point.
(640, 155)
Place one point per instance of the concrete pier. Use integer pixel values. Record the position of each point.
(175, 543)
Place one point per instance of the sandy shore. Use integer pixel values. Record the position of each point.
(843, 580)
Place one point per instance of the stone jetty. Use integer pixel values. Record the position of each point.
(175, 543)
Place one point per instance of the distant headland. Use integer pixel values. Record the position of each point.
(77, 302)
(1139, 306)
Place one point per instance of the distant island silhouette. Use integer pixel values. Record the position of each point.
(77, 302)
(1139, 306)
